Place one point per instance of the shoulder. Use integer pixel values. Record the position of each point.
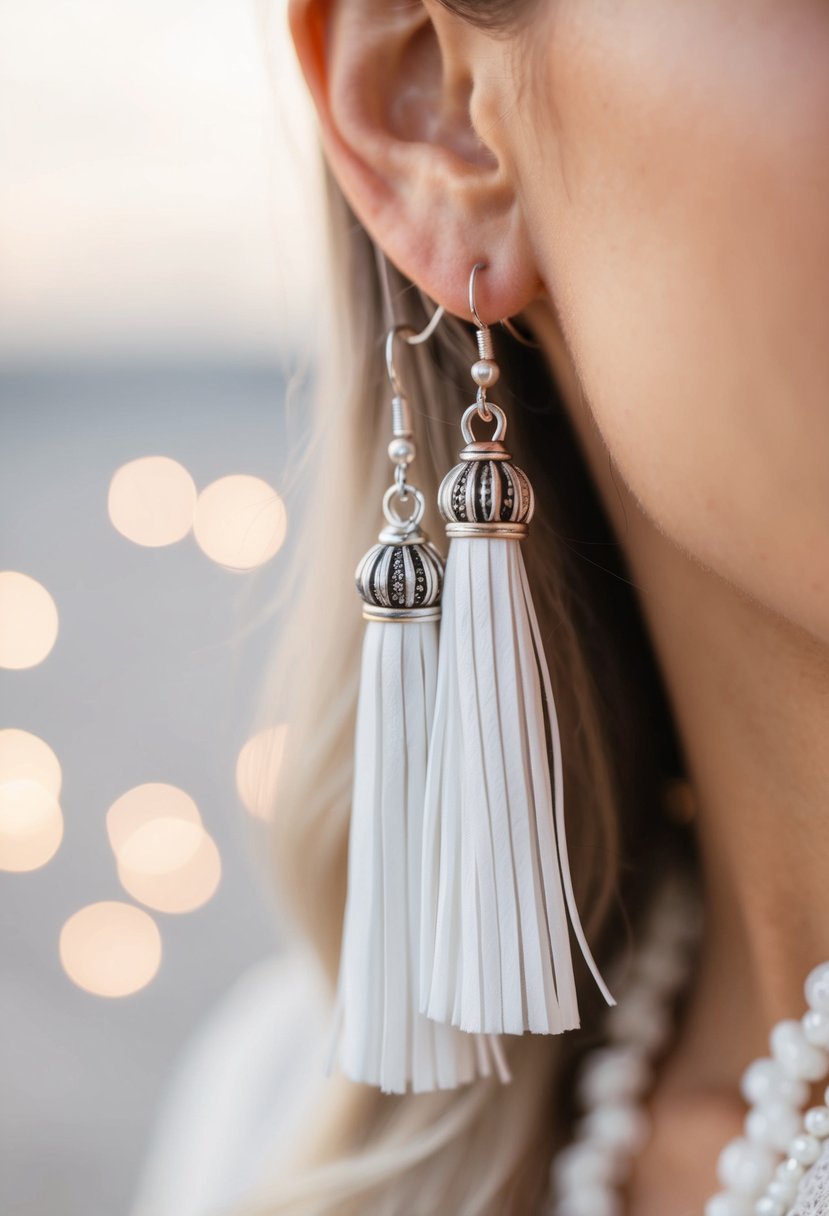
(238, 1089)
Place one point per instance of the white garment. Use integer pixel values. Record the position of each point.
(250, 1072)
(813, 1196)
(239, 1090)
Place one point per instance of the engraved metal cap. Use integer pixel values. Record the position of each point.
(400, 578)
(486, 494)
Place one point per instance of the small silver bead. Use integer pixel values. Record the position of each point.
(485, 373)
(401, 451)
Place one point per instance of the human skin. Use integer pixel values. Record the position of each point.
(649, 184)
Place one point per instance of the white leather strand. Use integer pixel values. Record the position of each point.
(495, 946)
(558, 785)
(381, 1037)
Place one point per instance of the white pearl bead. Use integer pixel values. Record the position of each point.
(726, 1203)
(620, 1128)
(581, 1164)
(613, 1074)
(816, 1122)
(765, 1081)
(815, 1025)
(790, 1170)
(780, 1189)
(640, 1021)
(767, 1206)
(591, 1201)
(773, 1124)
(678, 919)
(817, 988)
(745, 1167)
(661, 967)
(794, 1054)
(805, 1149)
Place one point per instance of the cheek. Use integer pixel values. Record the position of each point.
(682, 227)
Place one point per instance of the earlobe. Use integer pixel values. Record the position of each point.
(392, 86)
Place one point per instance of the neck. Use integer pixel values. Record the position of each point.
(750, 693)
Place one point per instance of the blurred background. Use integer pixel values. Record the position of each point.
(158, 273)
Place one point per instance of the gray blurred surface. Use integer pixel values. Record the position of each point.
(152, 678)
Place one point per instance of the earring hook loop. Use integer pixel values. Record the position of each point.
(472, 305)
(505, 321)
(412, 337)
(519, 337)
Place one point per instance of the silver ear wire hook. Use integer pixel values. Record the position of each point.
(391, 370)
(411, 336)
(505, 321)
(485, 370)
(519, 337)
(401, 448)
(472, 306)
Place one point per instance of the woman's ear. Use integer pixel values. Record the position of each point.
(403, 92)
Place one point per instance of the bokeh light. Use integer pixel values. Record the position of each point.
(240, 521)
(165, 857)
(28, 621)
(31, 825)
(110, 949)
(24, 755)
(257, 770)
(145, 805)
(151, 501)
(180, 889)
(167, 843)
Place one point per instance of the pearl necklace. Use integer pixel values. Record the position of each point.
(761, 1170)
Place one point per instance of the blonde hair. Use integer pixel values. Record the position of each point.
(484, 1149)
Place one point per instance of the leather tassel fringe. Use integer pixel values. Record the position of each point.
(497, 894)
(380, 1035)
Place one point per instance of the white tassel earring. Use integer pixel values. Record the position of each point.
(495, 946)
(382, 1037)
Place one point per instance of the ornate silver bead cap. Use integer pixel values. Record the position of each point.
(486, 495)
(400, 578)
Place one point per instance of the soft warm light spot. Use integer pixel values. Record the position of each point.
(240, 521)
(257, 770)
(31, 825)
(160, 845)
(165, 858)
(110, 948)
(24, 755)
(151, 501)
(177, 890)
(28, 621)
(144, 805)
